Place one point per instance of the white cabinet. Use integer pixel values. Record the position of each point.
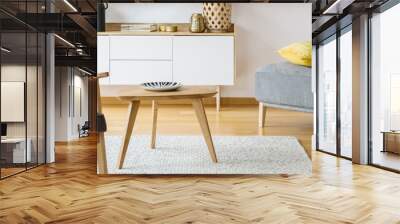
(192, 60)
(141, 47)
(103, 57)
(103, 54)
(125, 72)
(204, 60)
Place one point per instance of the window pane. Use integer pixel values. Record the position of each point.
(41, 98)
(327, 97)
(385, 114)
(346, 94)
(31, 97)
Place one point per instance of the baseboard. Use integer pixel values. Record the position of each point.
(208, 101)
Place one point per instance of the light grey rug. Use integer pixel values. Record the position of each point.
(189, 155)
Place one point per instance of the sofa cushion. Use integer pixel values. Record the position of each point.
(286, 85)
(297, 53)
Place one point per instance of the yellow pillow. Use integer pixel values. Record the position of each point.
(297, 53)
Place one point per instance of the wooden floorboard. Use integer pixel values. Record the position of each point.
(69, 191)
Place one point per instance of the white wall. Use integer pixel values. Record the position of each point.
(261, 29)
(33, 125)
(67, 116)
(151, 12)
(61, 104)
(17, 73)
(80, 115)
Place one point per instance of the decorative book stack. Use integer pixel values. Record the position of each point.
(139, 27)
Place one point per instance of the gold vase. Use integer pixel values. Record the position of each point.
(197, 23)
(217, 16)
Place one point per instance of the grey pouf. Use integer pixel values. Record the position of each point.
(283, 85)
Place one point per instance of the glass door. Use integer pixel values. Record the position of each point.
(14, 153)
(22, 77)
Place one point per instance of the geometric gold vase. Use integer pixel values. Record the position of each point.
(217, 17)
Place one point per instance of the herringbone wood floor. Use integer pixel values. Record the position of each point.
(69, 191)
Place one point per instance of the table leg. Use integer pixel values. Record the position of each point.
(202, 118)
(153, 131)
(101, 155)
(133, 109)
(262, 110)
(218, 99)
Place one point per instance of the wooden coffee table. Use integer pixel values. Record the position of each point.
(136, 94)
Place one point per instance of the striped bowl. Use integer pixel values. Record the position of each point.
(161, 86)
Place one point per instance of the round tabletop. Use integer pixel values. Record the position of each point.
(138, 93)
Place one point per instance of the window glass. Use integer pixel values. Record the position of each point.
(327, 96)
(13, 147)
(346, 94)
(385, 89)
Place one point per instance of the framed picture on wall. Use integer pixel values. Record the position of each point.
(13, 101)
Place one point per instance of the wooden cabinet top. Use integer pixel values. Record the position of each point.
(179, 33)
(114, 29)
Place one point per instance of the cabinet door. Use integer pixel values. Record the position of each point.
(141, 47)
(137, 72)
(204, 60)
(103, 57)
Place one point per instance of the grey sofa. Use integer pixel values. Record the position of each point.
(283, 85)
